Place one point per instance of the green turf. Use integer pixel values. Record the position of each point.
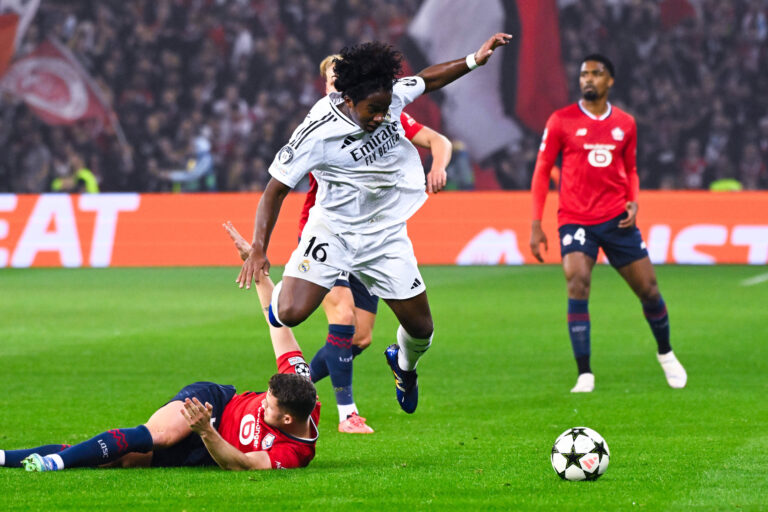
(85, 350)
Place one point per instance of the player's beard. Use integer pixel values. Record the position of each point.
(590, 95)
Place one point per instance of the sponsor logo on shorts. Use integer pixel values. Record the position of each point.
(567, 239)
(304, 266)
(268, 441)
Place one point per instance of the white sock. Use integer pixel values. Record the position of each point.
(346, 410)
(56, 458)
(2, 457)
(411, 349)
(273, 301)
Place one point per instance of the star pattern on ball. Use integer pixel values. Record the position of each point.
(599, 449)
(576, 432)
(572, 458)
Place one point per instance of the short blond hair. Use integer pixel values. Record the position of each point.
(328, 62)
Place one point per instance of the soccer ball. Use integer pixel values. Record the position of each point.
(580, 453)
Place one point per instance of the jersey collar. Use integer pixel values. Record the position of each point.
(593, 116)
(305, 440)
(335, 99)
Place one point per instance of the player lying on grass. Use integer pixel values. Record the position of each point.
(208, 424)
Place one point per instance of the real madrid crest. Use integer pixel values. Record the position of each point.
(285, 155)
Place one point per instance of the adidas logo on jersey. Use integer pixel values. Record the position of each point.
(347, 141)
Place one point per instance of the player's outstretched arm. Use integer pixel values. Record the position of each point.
(266, 216)
(441, 150)
(283, 339)
(440, 75)
(228, 457)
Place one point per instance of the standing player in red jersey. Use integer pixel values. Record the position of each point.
(350, 308)
(598, 209)
(207, 424)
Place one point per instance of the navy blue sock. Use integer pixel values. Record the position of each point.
(13, 458)
(318, 370)
(578, 329)
(338, 357)
(107, 446)
(658, 319)
(356, 351)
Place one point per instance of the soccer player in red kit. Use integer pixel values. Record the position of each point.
(350, 308)
(597, 209)
(208, 423)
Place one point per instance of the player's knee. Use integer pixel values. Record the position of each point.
(290, 315)
(578, 288)
(650, 293)
(422, 329)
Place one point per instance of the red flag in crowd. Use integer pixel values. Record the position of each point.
(8, 25)
(55, 86)
(15, 17)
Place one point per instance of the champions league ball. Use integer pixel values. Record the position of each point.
(580, 453)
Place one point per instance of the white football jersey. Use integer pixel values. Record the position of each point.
(366, 181)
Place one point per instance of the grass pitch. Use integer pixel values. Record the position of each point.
(85, 350)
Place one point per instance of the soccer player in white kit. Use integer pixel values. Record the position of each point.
(370, 183)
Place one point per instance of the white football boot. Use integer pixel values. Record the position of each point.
(673, 370)
(584, 384)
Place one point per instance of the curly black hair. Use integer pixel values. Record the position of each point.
(605, 61)
(366, 68)
(295, 394)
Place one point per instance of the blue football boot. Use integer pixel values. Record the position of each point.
(406, 383)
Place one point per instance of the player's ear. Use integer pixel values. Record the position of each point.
(288, 419)
(350, 104)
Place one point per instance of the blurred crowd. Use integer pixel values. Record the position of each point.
(207, 91)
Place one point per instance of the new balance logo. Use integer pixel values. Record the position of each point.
(581, 132)
(349, 140)
(416, 283)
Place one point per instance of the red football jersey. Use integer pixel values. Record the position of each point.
(242, 424)
(411, 127)
(599, 170)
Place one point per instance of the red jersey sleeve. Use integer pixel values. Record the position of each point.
(293, 362)
(309, 202)
(410, 125)
(630, 165)
(550, 147)
(283, 456)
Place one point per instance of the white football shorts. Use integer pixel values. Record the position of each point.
(383, 261)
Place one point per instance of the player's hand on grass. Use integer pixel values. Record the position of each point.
(436, 180)
(484, 53)
(631, 215)
(198, 416)
(241, 244)
(537, 238)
